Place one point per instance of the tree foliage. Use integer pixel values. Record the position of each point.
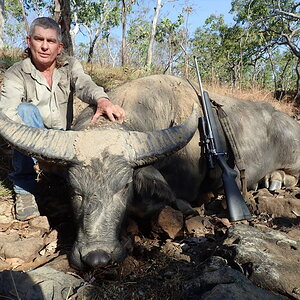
(276, 25)
(97, 17)
(261, 46)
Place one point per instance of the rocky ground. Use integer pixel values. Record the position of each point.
(170, 257)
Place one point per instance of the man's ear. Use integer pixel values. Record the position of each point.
(28, 40)
(61, 47)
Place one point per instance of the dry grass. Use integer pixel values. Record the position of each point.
(5, 192)
(287, 105)
(106, 77)
(109, 77)
(9, 57)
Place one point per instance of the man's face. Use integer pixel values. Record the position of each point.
(44, 46)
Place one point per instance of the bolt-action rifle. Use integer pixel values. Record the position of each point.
(237, 207)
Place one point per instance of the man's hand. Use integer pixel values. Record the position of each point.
(114, 112)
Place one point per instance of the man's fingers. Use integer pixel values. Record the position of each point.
(113, 112)
(96, 116)
(110, 115)
(120, 114)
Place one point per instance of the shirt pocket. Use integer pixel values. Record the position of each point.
(63, 90)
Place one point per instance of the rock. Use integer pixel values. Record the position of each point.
(4, 265)
(4, 226)
(40, 222)
(174, 250)
(14, 246)
(129, 265)
(6, 208)
(199, 226)
(41, 283)
(51, 236)
(270, 257)
(218, 281)
(14, 262)
(60, 263)
(170, 221)
(278, 205)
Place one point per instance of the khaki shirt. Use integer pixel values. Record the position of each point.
(24, 83)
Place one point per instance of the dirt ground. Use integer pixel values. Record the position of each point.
(163, 252)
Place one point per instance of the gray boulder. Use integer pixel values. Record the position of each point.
(43, 283)
(218, 281)
(270, 257)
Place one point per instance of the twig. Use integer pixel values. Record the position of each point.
(69, 291)
(5, 297)
(12, 278)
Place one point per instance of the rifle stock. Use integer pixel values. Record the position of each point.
(237, 207)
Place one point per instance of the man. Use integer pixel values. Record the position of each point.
(38, 92)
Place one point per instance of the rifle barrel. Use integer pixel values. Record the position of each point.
(237, 207)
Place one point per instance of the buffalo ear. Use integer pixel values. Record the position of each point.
(152, 193)
(148, 181)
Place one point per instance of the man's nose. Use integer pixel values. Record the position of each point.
(45, 45)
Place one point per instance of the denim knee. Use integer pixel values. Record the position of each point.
(30, 115)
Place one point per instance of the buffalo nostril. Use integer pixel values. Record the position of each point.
(98, 258)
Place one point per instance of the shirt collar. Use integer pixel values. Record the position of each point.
(29, 68)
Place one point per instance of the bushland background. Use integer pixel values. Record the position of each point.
(256, 51)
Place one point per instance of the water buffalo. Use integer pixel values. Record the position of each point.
(114, 167)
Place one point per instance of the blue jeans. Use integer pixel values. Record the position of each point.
(24, 176)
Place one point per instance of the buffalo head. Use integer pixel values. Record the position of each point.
(101, 163)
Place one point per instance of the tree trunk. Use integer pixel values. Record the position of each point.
(24, 16)
(2, 20)
(298, 77)
(75, 30)
(62, 15)
(124, 21)
(273, 70)
(188, 11)
(170, 55)
(113, 59)
(153, 31)
(92, 46)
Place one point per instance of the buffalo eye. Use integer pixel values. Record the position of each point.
(77, 200)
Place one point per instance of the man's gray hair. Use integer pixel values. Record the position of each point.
(46, 23)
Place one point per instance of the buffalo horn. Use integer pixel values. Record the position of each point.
(41, 143)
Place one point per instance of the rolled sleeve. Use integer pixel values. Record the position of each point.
(84, 87)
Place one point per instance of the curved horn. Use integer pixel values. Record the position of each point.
(41, 143)
(76, 146)
(153, 145)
